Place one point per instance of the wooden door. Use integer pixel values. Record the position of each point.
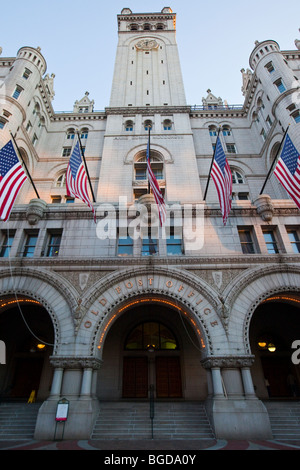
(168, 377)
(135, 377)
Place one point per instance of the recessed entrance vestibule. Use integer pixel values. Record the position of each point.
(151, 347)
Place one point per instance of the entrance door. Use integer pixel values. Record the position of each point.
(168, 377)
(135, 377)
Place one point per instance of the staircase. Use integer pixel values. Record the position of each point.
(284, 419)
(18, 420)
(171, 421)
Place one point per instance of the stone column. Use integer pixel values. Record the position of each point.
(248, 383)
(89, 366)
(56, 383)
(217, 382)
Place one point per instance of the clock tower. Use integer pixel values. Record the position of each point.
(147, 69)
(147, 91)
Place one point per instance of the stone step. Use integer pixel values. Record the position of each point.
(171, 421)
(284, 419)
(18, 420)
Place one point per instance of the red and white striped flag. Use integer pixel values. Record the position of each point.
(159, 199)
(221, 174)
(12, 178)
(76, 178)
(287, 170)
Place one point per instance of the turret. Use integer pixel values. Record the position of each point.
(21, 82)
(279, 83)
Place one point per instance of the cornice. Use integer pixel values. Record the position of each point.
(148, 110)
(185, 262)
(83, 213)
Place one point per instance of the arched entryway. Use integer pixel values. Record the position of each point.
(274, 326)
(27, 331)
(151, 346)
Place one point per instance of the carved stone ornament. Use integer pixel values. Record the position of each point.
(35, 211)
(264, 207)
(147, 45)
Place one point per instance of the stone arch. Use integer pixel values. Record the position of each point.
(53, 293)
(260, 283)
(139, 150)
(194, 298)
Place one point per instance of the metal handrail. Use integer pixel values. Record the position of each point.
(151, 400)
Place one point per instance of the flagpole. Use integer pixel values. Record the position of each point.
(85, 165)
(149, 158)
(274, 161)
(211, 165)
(29, 176)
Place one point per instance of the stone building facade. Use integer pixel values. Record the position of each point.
(185, 312)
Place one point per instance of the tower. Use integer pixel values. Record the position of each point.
(147, 69)
(147, 90)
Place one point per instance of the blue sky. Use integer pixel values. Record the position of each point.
(78, 40)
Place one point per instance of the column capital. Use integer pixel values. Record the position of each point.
(79, 362)
(227, 361)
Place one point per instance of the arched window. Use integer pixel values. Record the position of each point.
(84, 133)
(151, 335)
(71, 133)
(147, 27)
(129, 126)
(237, 178)
(226, 130)
(141, 168)
(61, 181)
(148, 125)
(212, 131)
(134, 27)
(167, 124)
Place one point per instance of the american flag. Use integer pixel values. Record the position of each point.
(12, 178)
(76, 178)
(222, 177)
(287, 170)
(162, 212)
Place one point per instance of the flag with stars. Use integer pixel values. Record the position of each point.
(76, 178)
(222, 177)
(159, 199)
(287, 169)
(12, 178)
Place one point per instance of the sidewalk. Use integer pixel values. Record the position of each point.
(149, 445)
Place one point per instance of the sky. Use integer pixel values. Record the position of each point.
(78, 39)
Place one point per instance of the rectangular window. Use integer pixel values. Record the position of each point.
(125, 246)
(149, 246)
(270, 67)
(2, 123)
(7, 240)
(294, 239)
(30, 244)
(246, 240)
(66, 151)
(280, 85)
(230, 148)
(174, 243)
(296, 116)
(263, 134)
(270, 241)
(55, 199)
(17, 92)
(26, 73)
(53, 243)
